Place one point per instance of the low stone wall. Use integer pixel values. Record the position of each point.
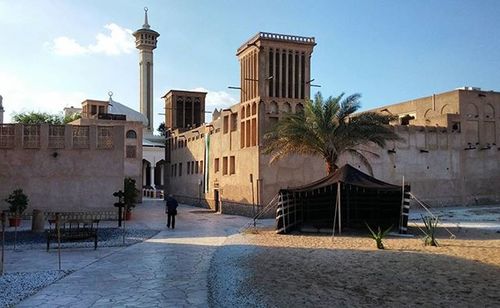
(193, 201)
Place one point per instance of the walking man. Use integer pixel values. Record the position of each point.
(171, 210)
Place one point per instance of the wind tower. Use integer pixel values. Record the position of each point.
(145, 41)
(276, 75)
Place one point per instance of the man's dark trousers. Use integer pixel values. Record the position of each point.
(170, 219)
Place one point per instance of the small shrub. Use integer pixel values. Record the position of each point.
(430, 224)
(131, 193)
(18, 202)
(379, 235)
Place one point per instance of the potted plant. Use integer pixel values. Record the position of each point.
(130, 196)
(18, 203)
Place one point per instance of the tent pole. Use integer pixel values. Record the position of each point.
(340, 211)
(335, 216)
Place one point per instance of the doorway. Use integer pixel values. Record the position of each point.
(216, 200)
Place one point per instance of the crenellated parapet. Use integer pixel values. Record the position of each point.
(58, 137)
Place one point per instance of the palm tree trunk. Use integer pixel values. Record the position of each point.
(330, 167)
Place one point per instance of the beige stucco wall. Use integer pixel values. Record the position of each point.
(132, 166)
(72, 180)
(439, 166)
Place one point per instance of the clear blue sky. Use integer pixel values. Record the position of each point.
(389, 51)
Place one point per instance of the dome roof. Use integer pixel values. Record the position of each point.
(131, 114)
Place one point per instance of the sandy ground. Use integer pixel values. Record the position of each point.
(316, 271)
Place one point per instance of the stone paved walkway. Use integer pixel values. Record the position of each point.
(168, 270)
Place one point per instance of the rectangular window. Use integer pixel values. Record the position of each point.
(201, 166)
(180, 169)
(192, 167)
(131, 151)
(179, 113)
(172, 170)
(248, 134)
(188, 167)
(224, 165)
(296, 77)
(242, 135)
(254, 132)
(276, 76)
(216, 165)
(175, 170)
(104, 137)
(232, 165)
(93, 109)
(225, 128)
(271, 66)
(101, 109)
(197, 113)
(196, 168)
(284, 84)
(31, 136)
(188, 113)
(7, 136)
(290, 74)
(303, 74)
(56, 136)
(234, 121)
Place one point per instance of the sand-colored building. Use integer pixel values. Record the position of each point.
(63, 167)
(221, 161)
(448, 152)
(111, 113)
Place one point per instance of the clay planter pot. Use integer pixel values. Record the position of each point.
(14, 222)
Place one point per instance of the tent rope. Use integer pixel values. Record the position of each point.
(271, 205)
(422, 204)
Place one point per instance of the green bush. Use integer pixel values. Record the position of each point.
(18, 202)
(379, 235)
(430, 224)
(131, 193)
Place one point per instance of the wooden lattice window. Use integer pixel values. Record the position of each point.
(216, 165)
(131, 151)
(81, 137)
(104, 137)
(56, 136)
(31, 136)
(234, 121)
(232, 165)
(7, 133)
(224, 165)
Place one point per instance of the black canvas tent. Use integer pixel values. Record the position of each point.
(357, 196)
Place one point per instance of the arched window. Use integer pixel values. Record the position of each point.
(287, 108)
(254, 108)
(446, 109)
(273, 107)
(131, 134)
(489, 111)
(471, 111)
(299, 108)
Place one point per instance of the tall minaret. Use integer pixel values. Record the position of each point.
(145, 41)
(1, 110)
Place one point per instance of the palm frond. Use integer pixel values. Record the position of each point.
(328, 128)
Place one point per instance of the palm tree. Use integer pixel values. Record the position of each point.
(329, 129)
